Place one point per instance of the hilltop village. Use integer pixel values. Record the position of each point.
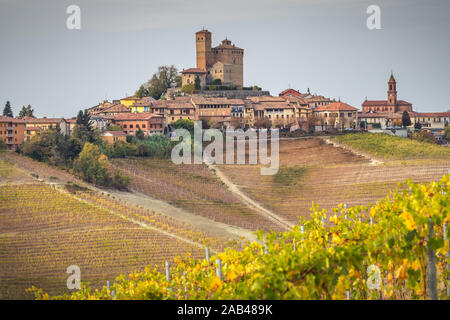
(218, 98)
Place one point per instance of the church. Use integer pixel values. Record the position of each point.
(391, 105)
(224, 62)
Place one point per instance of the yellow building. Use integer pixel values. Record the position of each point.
(128, 101)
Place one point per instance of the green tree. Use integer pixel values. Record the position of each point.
(114, 127)
(406, 120)
(447, 133)
(83, 130)
(140, 134)
(164, 78)
(141, 92)
(183, 124)
(197, 83)
(26, 112)
(7, 111)
(93, 166)
(188, 88)
(2, 145)
(216, 82)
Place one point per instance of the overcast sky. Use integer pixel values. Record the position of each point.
(323, 45)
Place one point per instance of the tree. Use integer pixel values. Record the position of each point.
(93, 166)
(140, 134)
(447, 133)
(183, 124)
(424, 136)
(197, 83)
(2, 145)
(7, 111)
(141, 92)
(26, 112)
(263, 123)
(406, 120)
(114, 127)
(188, 88)
(166, 77)
(216, 82)
(83, 130)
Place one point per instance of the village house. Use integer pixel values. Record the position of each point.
(12, 132)
(35, 126)
(431, 120)
(188, 76)
(214, 109)
(112, 136)
(143, 105)
(379, 120)
(129, 101)
(336, 115)
(276, 109)
(147, 122)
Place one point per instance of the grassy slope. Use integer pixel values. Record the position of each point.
(392, 147)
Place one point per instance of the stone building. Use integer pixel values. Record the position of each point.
(224, 62)
(392, 104)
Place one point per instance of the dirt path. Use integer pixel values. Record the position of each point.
(250, 202)
(179, 214)
(373, 161)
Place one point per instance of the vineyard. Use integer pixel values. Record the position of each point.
(395, 249)
(46, 228)
(191, 187)
(392, 147)
(314, 171)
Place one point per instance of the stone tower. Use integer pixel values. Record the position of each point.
(203, 48)
(392, 91)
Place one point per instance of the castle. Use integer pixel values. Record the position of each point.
(224, 62)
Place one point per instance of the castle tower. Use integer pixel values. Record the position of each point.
(392, 91)
(203, 49)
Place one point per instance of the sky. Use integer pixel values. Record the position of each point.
(323, 45)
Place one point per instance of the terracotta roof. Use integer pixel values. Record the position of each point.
(266, 99)
(370, 103)
(273, 105)
(34, 128)
(135, 116)
(433, 114)
(222, 101)
(41, 120)
(193, 70)
(226, 44)
(293, 98)
(71, 120)
(336, 106)
(115, 108)
(131, 98)
(288, 91)
(10, 119)
(392, 79)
